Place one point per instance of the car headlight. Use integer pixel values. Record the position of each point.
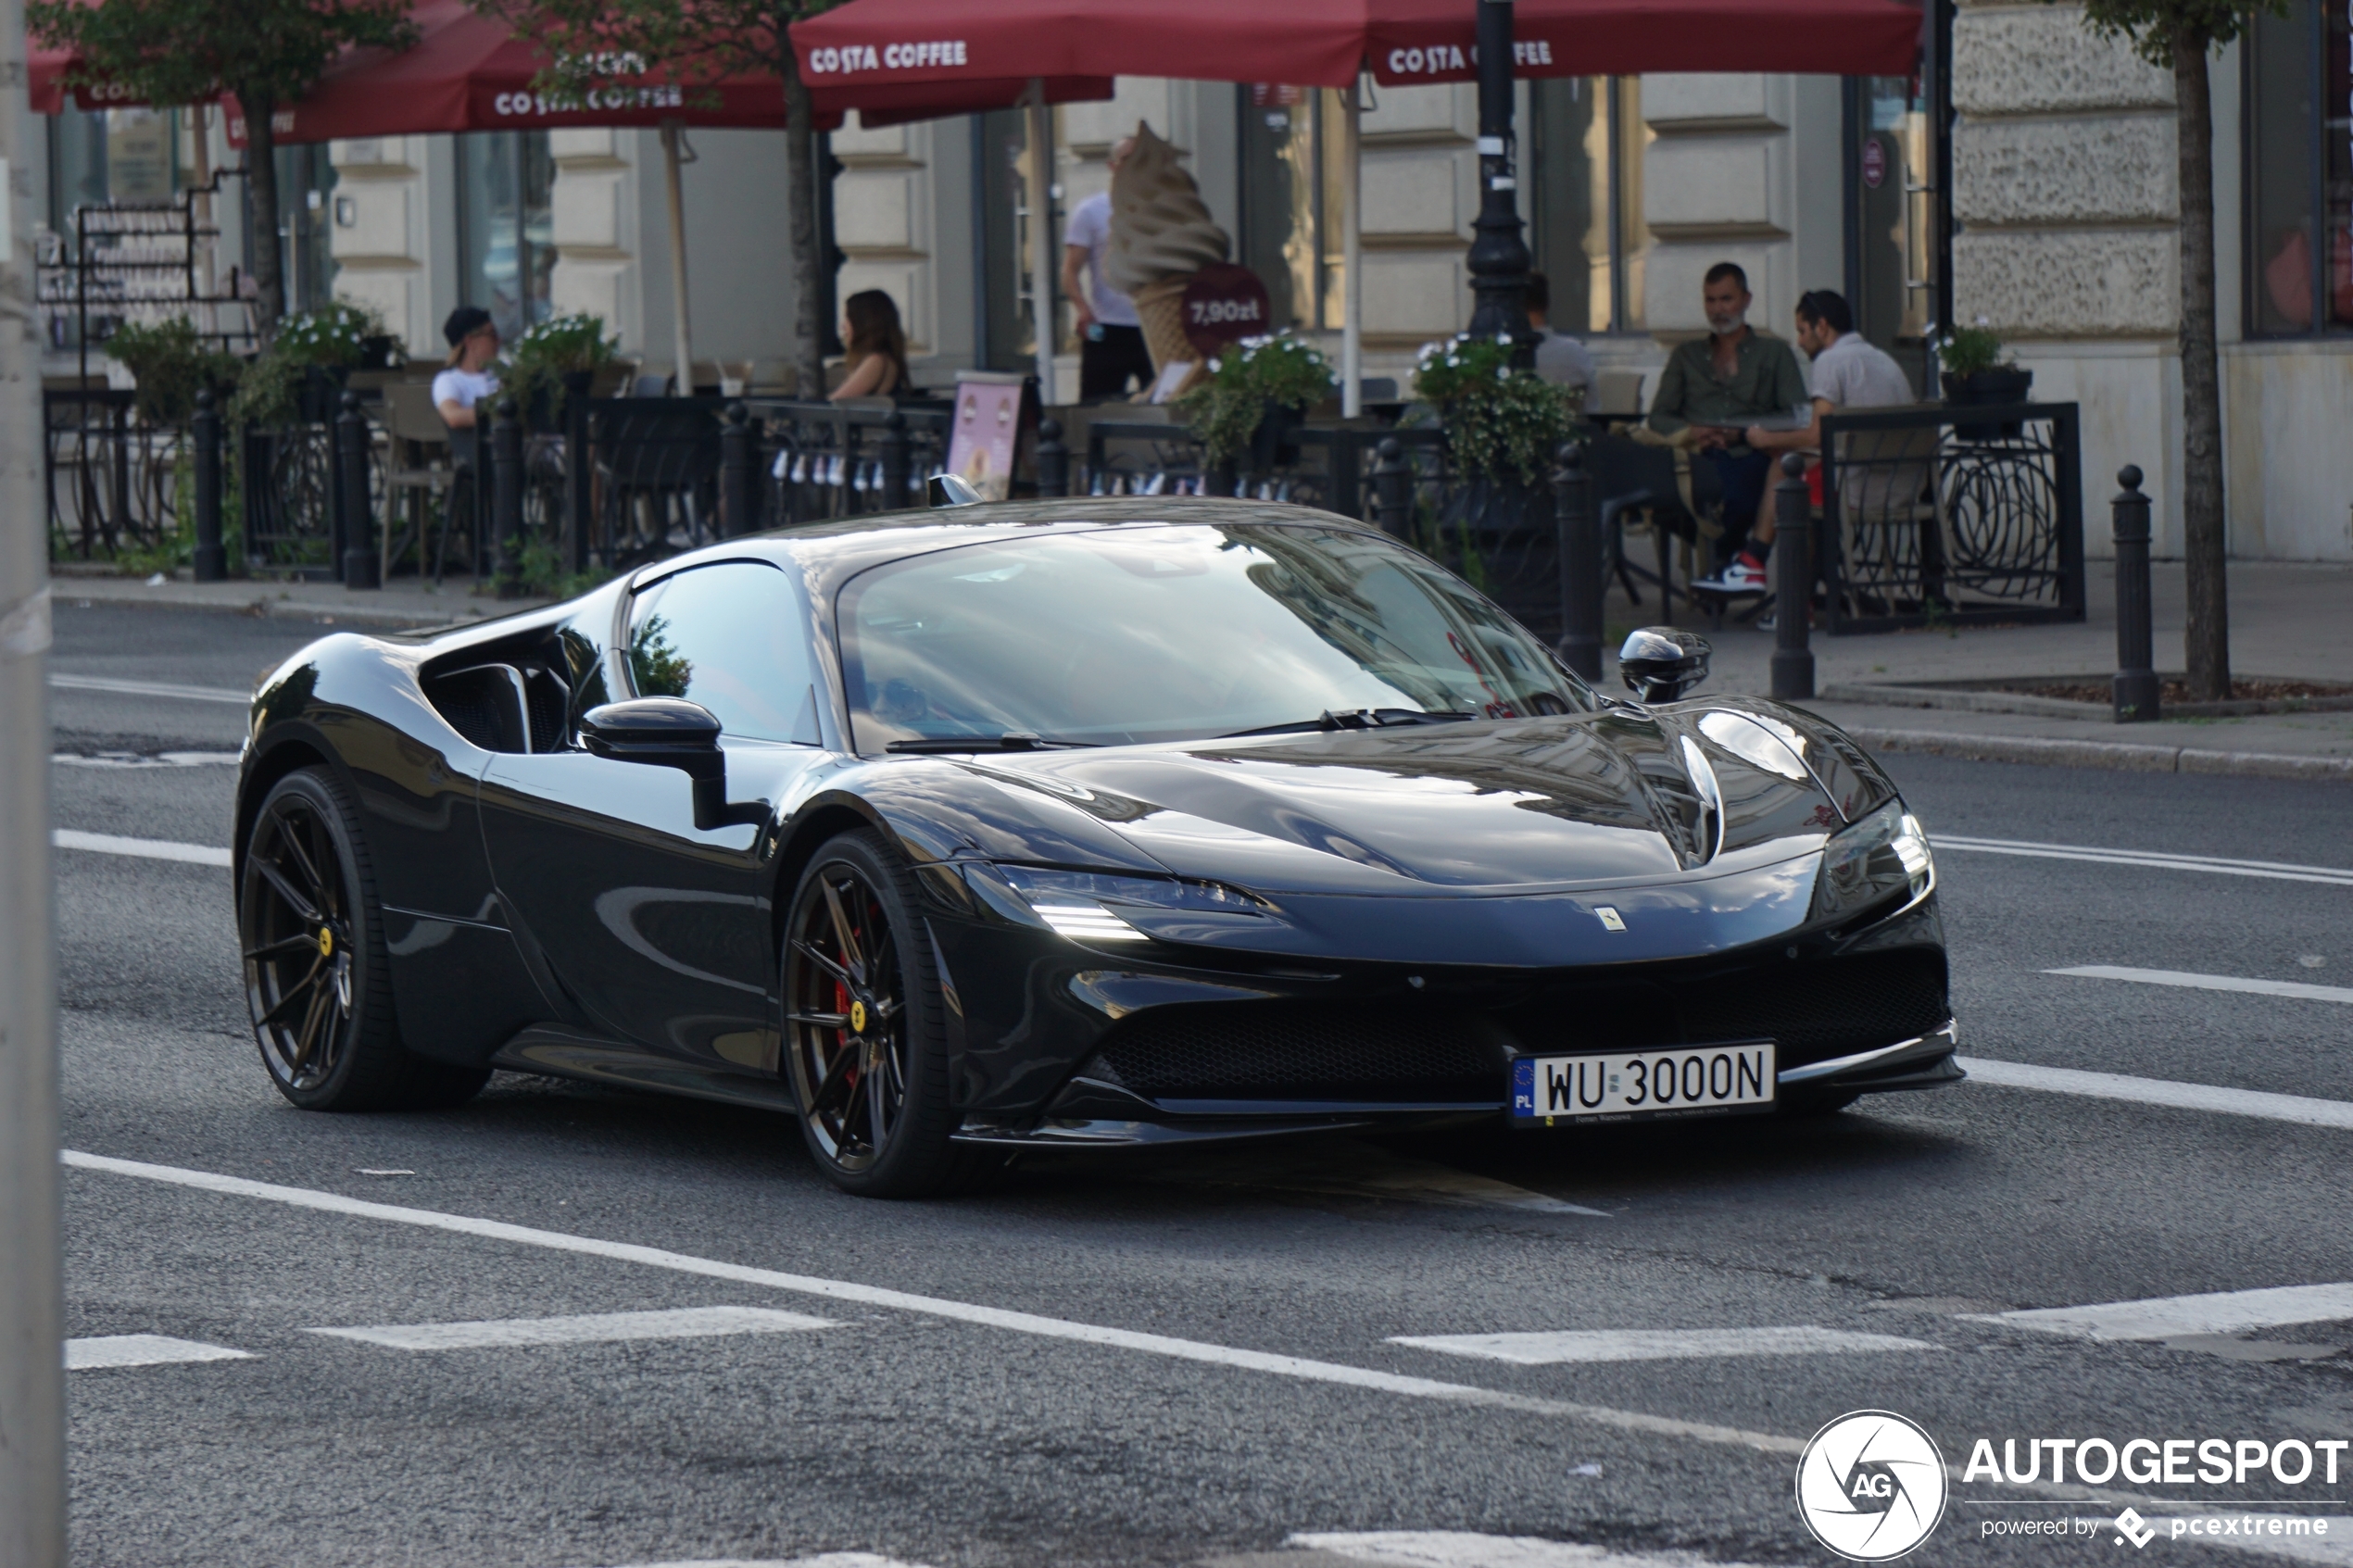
(1873, 861)
(1104, 907)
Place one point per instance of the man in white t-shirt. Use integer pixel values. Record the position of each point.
(1111, 334)
(474, 343)
(1849, 372)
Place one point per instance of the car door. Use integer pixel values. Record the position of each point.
(659, 929)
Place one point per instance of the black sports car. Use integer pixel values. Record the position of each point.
(1068, 823)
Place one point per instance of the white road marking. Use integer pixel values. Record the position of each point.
(1657, 1344)
(160, 759)
(2273, 869)
(1461, 1548)
(685, 1323)
(823, 1559)
(2161, 1091)
(142, 1349)
(1298, 1367)
(140, 848)
(2168, 1317)
(1051, 1328)
(149, 688)
(2304, 990)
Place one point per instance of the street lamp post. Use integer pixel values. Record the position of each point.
(1498, 254)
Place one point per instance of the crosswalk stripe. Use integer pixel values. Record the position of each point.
(2256, 1103)
(142, 1349)
(1463, 1549)
(149, 688)
(2303, 990)
(140, 848)
(2166, 1317)
(823, 1559)
(687, 1322)
(1655, 1345)
(2276, 871)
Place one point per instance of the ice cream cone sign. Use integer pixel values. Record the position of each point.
(1169, 258)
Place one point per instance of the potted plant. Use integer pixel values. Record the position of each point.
(554, 360)
(1253, 398)
(300, 376)
(171, 364)
(1977, 371)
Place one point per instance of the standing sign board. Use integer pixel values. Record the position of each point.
(984, 442)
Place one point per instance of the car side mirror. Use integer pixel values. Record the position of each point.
(950, 490)
(1660, 663)
(669, 732)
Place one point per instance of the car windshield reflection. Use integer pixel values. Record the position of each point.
(1178, 632)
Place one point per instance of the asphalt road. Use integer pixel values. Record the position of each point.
(1191, 1359)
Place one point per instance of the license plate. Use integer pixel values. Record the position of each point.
(1627, 1085)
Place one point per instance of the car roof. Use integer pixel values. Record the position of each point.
(831, 553)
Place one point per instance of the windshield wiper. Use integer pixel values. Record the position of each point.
(1357, 719)
(1012, 740)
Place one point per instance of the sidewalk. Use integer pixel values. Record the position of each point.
(2287, 618)
(404, 603)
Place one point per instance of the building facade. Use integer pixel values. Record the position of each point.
(2030, 184)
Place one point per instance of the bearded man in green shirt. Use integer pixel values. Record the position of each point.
(1718, 386)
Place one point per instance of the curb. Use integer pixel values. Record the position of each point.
(262, 602)
(2115, 754)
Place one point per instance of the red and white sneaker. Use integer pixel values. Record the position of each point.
(1742, 574)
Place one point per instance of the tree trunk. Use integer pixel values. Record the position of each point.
(801, 220)
(266, 262)
(2204, 546)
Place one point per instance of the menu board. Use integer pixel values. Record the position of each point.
(988, 432)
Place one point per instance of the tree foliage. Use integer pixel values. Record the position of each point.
(691, 42)
(268, 53)
(2156, 28)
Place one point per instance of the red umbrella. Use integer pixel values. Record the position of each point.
(1324, 42)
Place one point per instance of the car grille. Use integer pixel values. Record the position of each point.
(1819, 1011)
(1437, 1052)
(1286, 1050)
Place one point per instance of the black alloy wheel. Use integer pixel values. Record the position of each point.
(865, 1026)
(310, 927)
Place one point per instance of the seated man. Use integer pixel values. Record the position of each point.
(1718, 387)
(1560, 358)
(1850, 371)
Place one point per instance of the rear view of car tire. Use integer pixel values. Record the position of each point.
(316, 974)
(864, 1027)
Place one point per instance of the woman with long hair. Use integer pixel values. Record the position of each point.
(877, 347)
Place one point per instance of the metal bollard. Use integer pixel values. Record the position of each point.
(1393, 489)
(894, 461)
(738, 474)
(505, 496)
(2137, 692)
(211, 560)
(1054, 461)
(1793, 584)
(1580, 563)
(359, 525)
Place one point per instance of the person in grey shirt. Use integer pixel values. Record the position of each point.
(1559, 357)
(1849, 372)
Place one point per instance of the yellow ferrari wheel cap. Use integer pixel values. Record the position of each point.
(858, 1018)
(326, 943)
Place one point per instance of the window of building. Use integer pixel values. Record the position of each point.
(1583, 173)
(2300, 171)
(306, 226)
(1294, 201)
(506, 226)
(1008, 184)
(1892, 218)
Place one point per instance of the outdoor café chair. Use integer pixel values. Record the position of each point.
(421, 472)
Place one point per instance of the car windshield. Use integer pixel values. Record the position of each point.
(1166, 631)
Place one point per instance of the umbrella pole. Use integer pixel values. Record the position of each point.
(1352, 262)
(1043, 249)
(672, 131)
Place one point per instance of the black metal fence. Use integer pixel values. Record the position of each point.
(113, 481)
(1966, 516)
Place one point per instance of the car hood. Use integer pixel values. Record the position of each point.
(1586, 800)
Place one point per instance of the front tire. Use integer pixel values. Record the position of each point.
(317, 977)
(865, 1026)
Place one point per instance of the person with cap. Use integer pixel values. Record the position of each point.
(474, 343)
